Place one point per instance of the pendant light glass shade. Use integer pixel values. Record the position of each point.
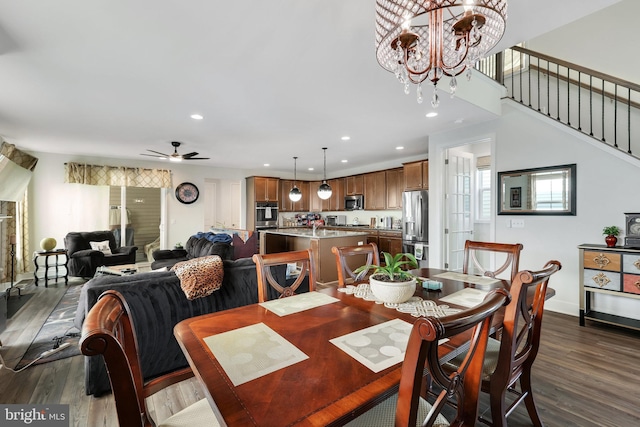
(324, 191)
(295, 194)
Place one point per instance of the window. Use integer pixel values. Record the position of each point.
(550, 190)
(483, 184)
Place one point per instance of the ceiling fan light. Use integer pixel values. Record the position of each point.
(175, 159)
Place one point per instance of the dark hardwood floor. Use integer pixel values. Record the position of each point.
(587, 377)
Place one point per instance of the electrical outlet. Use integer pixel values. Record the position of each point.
(517, 223)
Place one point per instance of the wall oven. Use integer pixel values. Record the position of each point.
(266, 215)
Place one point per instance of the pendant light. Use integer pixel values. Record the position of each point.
(324, 191)
(295, 194)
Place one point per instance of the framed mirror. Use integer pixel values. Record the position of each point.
(539, 191)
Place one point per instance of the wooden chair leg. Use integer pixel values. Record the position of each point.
(498, 408)
(525, 385)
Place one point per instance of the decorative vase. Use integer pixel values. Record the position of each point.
(611, 241)
(392, 292)
(48, 243)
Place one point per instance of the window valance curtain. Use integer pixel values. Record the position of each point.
(117, 176)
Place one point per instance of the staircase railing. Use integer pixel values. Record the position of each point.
(601, 106)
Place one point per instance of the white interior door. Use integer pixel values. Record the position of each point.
(459, 201)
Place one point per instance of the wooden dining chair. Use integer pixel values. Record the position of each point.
(108, 331)
(510, 359)
(306, 271)
(407, 406)
(475, 250)
(366, 255)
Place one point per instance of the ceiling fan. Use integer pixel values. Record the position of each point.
(175, 157)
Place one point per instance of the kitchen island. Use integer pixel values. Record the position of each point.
(320, 241)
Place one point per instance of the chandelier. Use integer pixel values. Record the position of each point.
(324, 191)
(295, 194)
(422, 39)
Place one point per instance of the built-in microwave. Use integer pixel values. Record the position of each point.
(352, 203)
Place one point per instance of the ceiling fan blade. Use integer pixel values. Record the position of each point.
(189, 155)
(196, 158)
(153, 155)
(162, 154)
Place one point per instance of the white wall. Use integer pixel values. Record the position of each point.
(57, 208)
(526, 139)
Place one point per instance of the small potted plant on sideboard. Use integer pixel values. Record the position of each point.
(611, 232)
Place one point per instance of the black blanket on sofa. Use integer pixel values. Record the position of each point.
(157, 304)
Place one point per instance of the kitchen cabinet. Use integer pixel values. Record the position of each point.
(336, 201)
(285, 204)
(354, 185)
(265, 189)
(390, 241)
(375, 190)
(416, 175)
(608, 271)
(395, 187)
(315, 202)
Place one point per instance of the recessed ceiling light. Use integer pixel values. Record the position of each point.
(267, 165)
(431, 114)
(400, 148)
(345, 138)
(310, 169)
(344, 161)
(458, 121)
(197, 116)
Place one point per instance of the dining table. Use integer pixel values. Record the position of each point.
(319, 358)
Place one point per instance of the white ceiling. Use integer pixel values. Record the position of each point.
(272, 78)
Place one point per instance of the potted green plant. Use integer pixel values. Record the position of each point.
(389, 282)
(611, 232)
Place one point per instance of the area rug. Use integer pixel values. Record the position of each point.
(56, 330)
(15, 303)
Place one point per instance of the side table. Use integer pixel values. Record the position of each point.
(58, 265)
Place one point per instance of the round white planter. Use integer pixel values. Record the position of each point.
(392, 292)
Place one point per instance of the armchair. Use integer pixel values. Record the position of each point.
(83, 260)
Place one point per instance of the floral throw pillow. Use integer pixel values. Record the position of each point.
(200, 277)
(101, 246)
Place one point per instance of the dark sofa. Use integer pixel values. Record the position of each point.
(157, 304)
(196, 247)
(83, 261)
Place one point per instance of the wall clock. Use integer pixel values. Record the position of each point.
(632, 222)
(187, 193)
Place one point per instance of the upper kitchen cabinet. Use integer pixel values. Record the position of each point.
(315, 202)
(354, 185)
(395, 187)
(375, 191)
(336, 201)
(285, 204)
(264, 189)
(416, 175)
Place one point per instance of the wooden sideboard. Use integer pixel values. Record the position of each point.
(608, 271)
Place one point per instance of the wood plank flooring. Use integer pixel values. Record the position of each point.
(586, 377)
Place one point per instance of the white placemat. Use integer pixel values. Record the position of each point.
(467, 297)
(377, 347)
(297, 303)
(252, 352)
(469, 278)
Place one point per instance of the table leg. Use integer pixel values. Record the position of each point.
(35, 273)
(46, 271)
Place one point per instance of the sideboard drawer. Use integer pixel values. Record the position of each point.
(602, 279)
(631, 283)
(631, 263)
(601, 261)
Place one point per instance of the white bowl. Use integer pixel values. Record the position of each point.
(392, 292)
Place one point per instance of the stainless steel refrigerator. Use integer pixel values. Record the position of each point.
(415, 223)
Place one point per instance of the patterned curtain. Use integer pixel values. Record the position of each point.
(18, 224)
(117, 176)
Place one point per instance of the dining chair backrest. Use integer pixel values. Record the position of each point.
(366, 254)
(306, 270)
(461, 386)
(519, 342)
(473, 251)
(108, 331)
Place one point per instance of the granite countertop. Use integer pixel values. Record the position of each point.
(321, 232)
